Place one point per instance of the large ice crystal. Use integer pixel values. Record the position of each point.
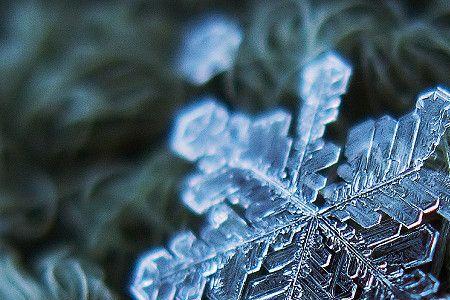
(275, 230)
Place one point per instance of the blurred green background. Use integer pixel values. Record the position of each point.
(88, 90)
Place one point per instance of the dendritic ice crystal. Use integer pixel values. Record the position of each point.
(276, 230)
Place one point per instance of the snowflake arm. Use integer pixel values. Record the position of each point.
(349, 262)
(386, 174)
(385, 167)
(321, 85)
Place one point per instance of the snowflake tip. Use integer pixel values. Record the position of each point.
(329, 74)
(197, 129)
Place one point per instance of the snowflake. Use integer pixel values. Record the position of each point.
(275, 229)
(208, 48)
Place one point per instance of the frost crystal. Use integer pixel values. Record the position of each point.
(209, 48)
(274, 228)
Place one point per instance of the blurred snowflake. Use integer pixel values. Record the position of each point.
(269, 234)
(209, 48)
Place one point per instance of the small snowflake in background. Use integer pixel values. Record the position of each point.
(276, 230)
(209, 48)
